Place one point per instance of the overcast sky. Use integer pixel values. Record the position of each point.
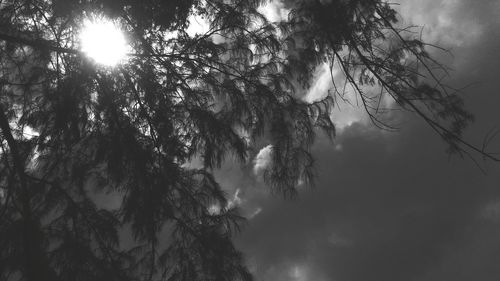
(390, 206)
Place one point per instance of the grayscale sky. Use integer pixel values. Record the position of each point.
(389, 206)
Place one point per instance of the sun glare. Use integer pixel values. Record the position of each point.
(103, 41)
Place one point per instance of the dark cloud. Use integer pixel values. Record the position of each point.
(379, 212)
(393, 206)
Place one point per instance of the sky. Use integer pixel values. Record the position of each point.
(389, 206)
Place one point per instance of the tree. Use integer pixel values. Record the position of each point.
(133, 129)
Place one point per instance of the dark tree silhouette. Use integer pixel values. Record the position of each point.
(133, 129)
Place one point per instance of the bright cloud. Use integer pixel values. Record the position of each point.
(274, 11)
(262, 160)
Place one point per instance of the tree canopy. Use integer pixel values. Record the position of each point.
(72, 130)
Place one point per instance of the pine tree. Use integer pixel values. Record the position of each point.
(132, 130)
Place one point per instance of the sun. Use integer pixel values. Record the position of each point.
(103, 41)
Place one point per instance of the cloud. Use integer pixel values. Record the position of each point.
(236, 200)
(348, 110)
(393, 206)
(274, 11)
(445, 22)
(450, 24)
(379, 212)
(262, 160)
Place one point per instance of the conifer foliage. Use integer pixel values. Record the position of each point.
(72, 131)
